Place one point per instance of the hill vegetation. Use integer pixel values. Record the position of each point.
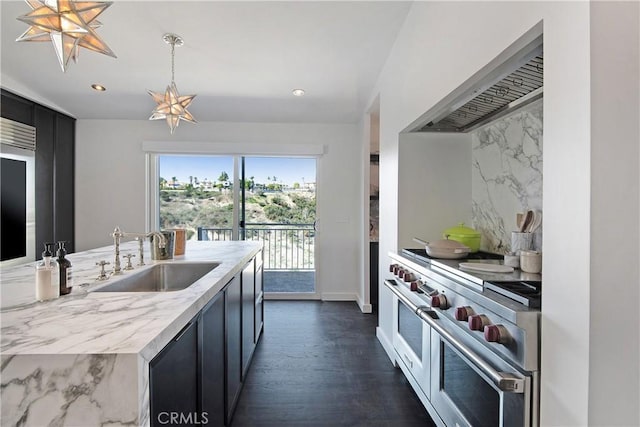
(191, 208)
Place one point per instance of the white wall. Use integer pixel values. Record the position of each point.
(110, 184)
(434, 191)
(614, 363)
(442, 44)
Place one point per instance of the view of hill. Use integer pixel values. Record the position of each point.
(191, 208)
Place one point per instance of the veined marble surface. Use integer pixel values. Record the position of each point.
(507, 175)
(82, 359)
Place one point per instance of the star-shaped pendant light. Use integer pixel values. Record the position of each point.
(171, 106)
(69, 25)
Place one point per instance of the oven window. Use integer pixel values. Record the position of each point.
(477, 400)
(410, 328)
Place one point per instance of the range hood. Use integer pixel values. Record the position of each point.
(510, 81)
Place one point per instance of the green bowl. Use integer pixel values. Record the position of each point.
(465, 235)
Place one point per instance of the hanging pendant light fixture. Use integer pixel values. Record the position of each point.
(68, 25)
(171, 106)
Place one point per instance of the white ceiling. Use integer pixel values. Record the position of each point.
(242, 59)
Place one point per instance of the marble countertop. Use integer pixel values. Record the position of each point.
(87, 322)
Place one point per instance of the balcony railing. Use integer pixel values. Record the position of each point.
(286, 246)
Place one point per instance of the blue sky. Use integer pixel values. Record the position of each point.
(286, 170)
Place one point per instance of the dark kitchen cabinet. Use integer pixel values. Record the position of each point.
(373, 275)
(259, 303)
(64, 191)
(54, 167)
(173, 377)
(233, 316)
(248, 314)
(45, 124)
(212, 328)
(17, 108)
(200, 372)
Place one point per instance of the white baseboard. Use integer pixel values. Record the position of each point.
(291, 296)
(365, 308)
(386, 344)
(331, 296)
(339, 296)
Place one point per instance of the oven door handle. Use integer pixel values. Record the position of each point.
(503, 380)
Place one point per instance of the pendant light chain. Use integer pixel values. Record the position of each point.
(173, 53)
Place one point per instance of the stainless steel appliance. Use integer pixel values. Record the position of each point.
(483, 345)
(17, 192)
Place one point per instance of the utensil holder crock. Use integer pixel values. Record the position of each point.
(531, 261)
(521, 241)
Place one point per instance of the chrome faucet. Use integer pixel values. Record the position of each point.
(118, 235)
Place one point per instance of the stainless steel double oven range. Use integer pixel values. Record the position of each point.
(468, 343)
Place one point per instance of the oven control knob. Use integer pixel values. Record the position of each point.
(439, 301)
(497, 333)
(477, 322)
(408, 277)
(463, 313)
(415, 285)
(400, 273)
(392, 268)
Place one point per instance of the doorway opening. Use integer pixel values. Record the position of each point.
(266, 199)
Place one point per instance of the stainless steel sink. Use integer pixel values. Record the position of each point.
(161, 278)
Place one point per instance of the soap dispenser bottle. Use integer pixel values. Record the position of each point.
(64, 265)
(47, 276)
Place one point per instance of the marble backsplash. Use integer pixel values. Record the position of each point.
(507, 175)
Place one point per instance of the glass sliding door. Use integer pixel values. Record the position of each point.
(196, 193)
(278, 207)
(266, 199)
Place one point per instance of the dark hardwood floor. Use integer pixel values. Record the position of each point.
(320, 364)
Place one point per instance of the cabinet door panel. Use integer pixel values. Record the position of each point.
(233, 309)
(173, 377)
(248, 315)
(259, 313)
(64, 180)
(45, 124)
(259, 282)
(212, 362)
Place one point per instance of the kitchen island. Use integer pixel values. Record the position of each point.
(83, 359)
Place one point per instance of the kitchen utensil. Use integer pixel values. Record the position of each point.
(527, 220)
(486, 268)
(519, 218)
(535, 222)
(465, 235)
(445, 248)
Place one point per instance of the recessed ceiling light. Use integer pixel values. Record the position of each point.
(298, 92)
(98, 87)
